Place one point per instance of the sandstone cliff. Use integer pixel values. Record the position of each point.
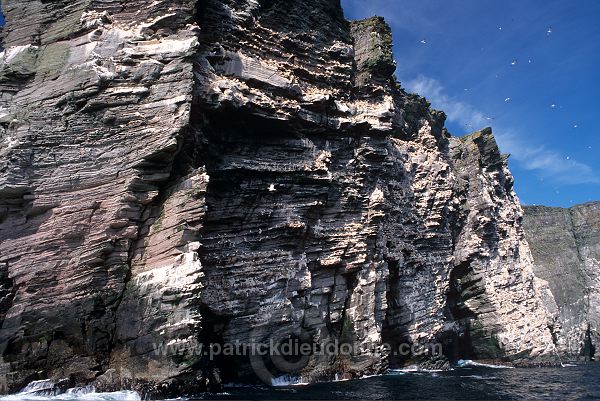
(566, 248)
(183, 173)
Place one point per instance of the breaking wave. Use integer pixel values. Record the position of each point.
(287, 381)
(46, 390)
(469, 363)
(412, 369)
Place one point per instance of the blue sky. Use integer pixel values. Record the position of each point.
(528, 68)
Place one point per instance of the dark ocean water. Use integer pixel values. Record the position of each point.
(580, 382)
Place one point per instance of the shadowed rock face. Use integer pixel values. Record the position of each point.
(183, 173)
(566, 248)
(95, 103)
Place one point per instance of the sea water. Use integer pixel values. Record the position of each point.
(467, 381)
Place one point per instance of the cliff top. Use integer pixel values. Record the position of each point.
(541, 208)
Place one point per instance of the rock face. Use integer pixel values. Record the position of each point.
(566, 248)
(182, 173)
(96, 98)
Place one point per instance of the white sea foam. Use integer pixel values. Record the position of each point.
(45, 390)
(467, 363)
(412, 369)
(367, 377)
(286, 381)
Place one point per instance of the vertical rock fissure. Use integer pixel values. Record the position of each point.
(459, 345)
(389, 331)
(345, 332)
(588, 350)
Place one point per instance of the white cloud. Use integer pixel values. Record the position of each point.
(456, 111)
(548, 163)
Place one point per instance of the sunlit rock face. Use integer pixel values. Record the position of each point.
(179, 173)
(566, 248)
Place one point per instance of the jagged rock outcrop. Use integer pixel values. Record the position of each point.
(183, 173)
(566, 248)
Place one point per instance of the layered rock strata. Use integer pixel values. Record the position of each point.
(566, 247)
(183, 173)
